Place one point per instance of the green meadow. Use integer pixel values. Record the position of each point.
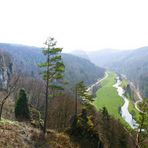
(107, 96)
(135, 113)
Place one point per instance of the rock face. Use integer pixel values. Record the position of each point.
(5, 70)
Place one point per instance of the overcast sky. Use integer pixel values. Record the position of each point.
(76, 24)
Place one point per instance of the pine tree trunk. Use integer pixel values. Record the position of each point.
(46, 99)
(1, 109)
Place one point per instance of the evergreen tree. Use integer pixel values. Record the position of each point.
(53, 73)
(143, 124)
(21, 108)
(81, 92)
(105, 114)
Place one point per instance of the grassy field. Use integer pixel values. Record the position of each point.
(135, 113)
(107, 96)
(124, 83)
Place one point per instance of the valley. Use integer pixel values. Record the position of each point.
(111, 94)
(132, 63)
(93, 101)
(107, 96)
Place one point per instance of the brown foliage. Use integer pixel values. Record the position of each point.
(13, 134)
(52, 139)
(112, 133)
(34, 88)
(61, 111)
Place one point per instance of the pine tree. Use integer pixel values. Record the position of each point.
(53, 73)
(105, 114)
(81, 92)
(142, 133)
(21, 108)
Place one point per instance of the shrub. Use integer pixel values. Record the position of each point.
(21, 108)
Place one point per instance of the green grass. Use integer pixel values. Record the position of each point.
(124, 83)
(135, 113)
(107, 96)
(6, 121)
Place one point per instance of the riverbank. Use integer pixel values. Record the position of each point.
(132, 95)
(124, 109)
(138, 101)
(94, 87)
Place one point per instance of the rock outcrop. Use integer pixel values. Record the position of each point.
(5, 70)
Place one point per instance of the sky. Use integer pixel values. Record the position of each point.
(76, 24)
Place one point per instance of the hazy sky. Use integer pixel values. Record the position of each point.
(76, 24)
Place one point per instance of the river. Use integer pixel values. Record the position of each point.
(124, 109)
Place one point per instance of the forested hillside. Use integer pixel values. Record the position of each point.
(26, 60)
(79, 69)
(106, 57)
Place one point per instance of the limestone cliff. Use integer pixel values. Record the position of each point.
(5, 70)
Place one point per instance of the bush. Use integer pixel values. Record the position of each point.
(21, 108)
(83, 131)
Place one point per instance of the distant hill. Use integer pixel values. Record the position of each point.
(132, 63)
(106, 56)
(80, 53)
(26, 58)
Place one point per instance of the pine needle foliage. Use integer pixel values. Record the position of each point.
(53, 73)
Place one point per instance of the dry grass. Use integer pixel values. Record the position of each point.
(8, 108)
(14, 134)
(53, 140)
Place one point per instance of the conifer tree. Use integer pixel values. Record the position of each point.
(53, 73)
(81, 92)
(21, 108)
(142, 133)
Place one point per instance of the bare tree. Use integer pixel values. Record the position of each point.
(9, 91)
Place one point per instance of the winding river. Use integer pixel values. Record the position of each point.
(124, 109)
